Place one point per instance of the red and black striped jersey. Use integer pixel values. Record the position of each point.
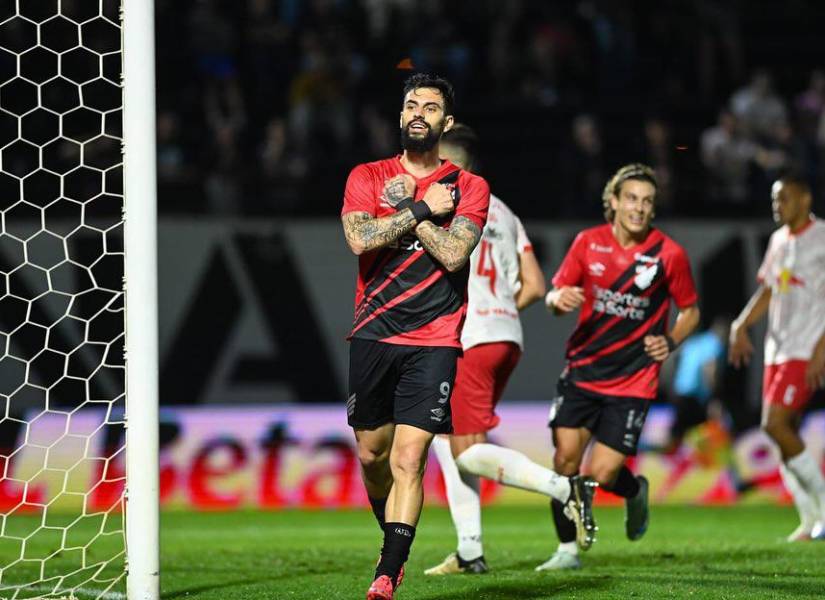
(403, 295)
(627, 296)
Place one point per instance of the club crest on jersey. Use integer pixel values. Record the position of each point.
(643, 258)
(596, 269)
(644, 275)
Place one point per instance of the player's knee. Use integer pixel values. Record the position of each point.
(774, 428)
(604, 475)
(408, 461)
(372, 458)
(565, 463)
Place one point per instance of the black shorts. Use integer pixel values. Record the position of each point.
(615, 421)
(690, 412)
(406, 385)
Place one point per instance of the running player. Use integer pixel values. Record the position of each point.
(504, 278)
(792, 292)
(413, 221)
(623, 275)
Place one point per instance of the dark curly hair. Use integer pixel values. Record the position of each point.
(427, 80)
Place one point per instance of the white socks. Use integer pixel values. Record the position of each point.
(464, 500)
(809, 475)
(514, 469)
(569, 547)
(805, 505)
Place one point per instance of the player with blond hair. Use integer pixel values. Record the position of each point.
(622, 277)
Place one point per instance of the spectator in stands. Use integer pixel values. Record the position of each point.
(381, 134)
(171, 157)
(810, 112)
(277, 159)
(759, 109)
(319, 104)
(810, 104)
(658, 152)
(583, 170)
(727, 155)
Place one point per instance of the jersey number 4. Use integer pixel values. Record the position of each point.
(486, 265)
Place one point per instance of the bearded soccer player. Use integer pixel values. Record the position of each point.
(413, 221)
(622, 276)
(792, 292)
(505, 277)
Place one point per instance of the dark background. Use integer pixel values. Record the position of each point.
(265, 105)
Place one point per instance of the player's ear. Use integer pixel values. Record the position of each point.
(614, 202)
(449, 121)
(806, 201)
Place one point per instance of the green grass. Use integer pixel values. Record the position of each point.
(689, 552)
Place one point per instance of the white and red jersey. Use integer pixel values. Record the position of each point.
(627, 296)
(492, 315)
(794, 269)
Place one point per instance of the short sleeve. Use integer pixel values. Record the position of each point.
(680, 280)
(522, 241)
(570, 272)
(475, 200)
(359, 195)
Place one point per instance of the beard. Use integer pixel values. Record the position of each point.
(419, 144)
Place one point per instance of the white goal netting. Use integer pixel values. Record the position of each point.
(62, 374)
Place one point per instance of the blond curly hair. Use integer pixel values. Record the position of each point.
(637, 171)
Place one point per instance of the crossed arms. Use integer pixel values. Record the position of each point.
(451, 247)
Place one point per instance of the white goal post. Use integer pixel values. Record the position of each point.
(79, 486)
(140, 209)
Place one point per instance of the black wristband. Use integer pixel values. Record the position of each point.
(421, 211)
(671, 344)
(405, 203)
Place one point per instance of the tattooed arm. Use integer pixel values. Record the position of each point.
(451, 247)
(365, 233)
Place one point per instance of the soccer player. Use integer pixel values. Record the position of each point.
(623, 276)
(505, 277)
(792, 292)
(696, 380)
(413, 221)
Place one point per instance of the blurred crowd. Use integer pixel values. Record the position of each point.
(265, 105)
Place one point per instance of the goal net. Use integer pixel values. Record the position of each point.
(62, 366)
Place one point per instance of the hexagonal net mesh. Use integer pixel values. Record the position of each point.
(62, 373)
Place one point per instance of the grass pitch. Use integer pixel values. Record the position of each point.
(689, 552)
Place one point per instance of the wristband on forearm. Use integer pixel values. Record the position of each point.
(404, 203)
(420, 210)
(671, 344)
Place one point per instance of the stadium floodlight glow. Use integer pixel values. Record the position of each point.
(78, 301)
